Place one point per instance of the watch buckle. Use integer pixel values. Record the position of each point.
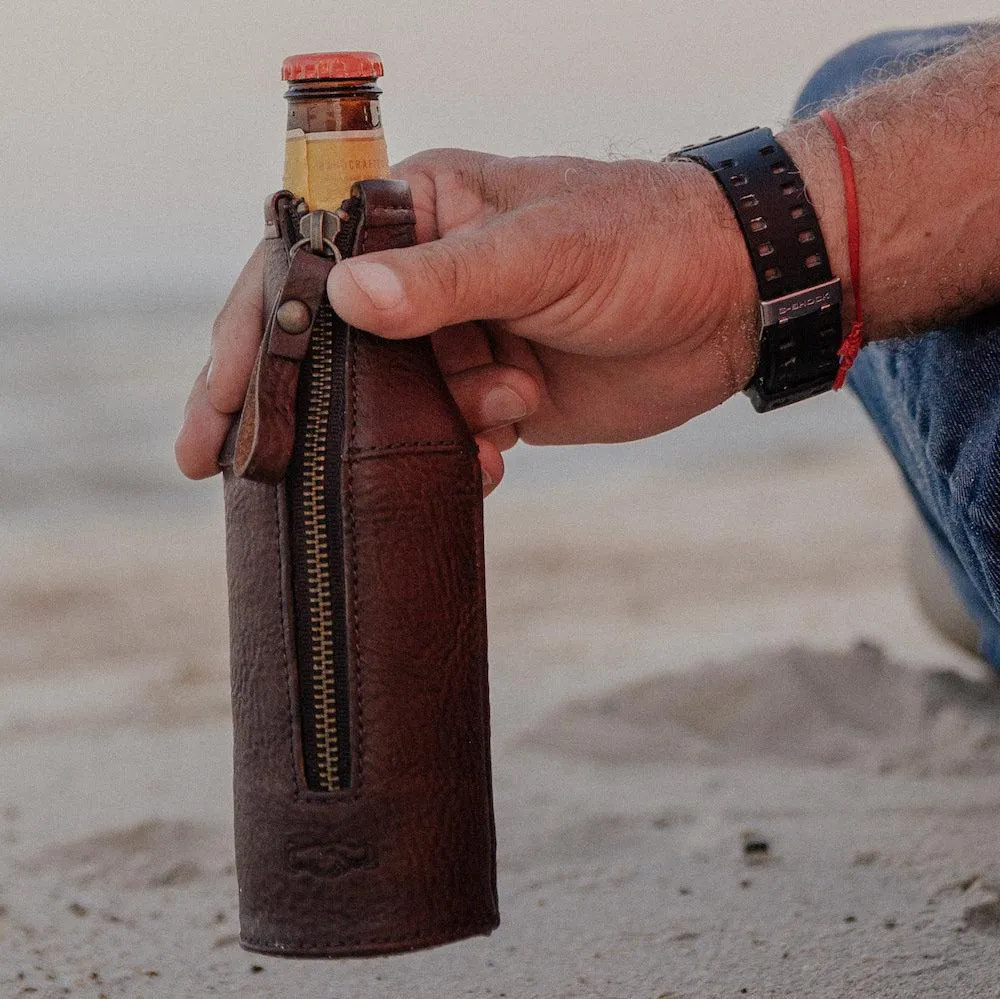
(818, 298)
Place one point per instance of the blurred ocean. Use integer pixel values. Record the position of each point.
(89, 405)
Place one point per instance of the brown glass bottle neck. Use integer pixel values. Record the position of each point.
(349, 114)
(333, 106)
(309, 89)
(334, 139)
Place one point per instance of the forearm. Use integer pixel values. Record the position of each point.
(926, 152)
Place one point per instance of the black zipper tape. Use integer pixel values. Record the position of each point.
(315, 515)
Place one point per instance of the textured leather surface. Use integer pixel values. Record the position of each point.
(400, 395)
(405, 857)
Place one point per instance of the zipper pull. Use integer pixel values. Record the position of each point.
(266, 432)
(320, 230)
(294, 312)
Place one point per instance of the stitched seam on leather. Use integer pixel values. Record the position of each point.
(353, 598)
(477, 628)
(384, 217)
(449, 442)
(414, 447)
(290, 738)
(404, 941)
(363, 231)
(486, 770)
(337, 797)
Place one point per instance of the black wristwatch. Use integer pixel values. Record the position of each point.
(801, 326)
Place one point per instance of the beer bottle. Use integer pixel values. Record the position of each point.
(363, 808)
(334, 133)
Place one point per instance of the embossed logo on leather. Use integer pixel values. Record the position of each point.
(330, 860)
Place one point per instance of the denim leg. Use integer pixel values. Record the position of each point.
(890, 53)
(935, 398)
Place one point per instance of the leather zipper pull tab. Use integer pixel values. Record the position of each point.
(266, 434)
(291, 321)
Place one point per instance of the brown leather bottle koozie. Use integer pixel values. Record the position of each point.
(364, 816)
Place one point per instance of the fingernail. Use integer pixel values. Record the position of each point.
(488, 482)
(503, 405)
(208, 374)
(379, 283)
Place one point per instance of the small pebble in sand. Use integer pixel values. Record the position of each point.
(256, 969)
(756, 848)
(77, 909)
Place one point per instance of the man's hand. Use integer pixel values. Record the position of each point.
(583, 301)
(570, 300)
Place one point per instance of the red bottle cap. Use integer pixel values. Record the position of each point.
(331, 66)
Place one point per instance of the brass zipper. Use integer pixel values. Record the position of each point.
(326, 743)
(313, 491)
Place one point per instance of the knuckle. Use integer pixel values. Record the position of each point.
(428, 159)
(474, 173)
(452, 170)
(571, 249)
(574, 252)
(449, 272)
(431, 165)
(419, 170)
(497, 180)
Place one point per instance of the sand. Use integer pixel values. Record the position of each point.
(731, 758)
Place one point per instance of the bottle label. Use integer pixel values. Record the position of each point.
(321, 166)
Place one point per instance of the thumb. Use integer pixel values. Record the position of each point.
(487, 273)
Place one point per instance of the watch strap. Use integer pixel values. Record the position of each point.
(801, 325)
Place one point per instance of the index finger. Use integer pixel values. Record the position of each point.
(455, 188)
(236, 336)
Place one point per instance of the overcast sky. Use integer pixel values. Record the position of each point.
(140, 138)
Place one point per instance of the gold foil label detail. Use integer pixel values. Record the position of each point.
(322, 166)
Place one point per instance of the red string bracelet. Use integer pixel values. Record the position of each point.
(854, 340)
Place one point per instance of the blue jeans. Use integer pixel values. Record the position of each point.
(935, 398)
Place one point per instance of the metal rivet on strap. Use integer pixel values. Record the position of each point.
(294, 316)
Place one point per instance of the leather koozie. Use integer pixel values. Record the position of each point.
(364, 815)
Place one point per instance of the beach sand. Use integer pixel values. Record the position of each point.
(731, 758)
